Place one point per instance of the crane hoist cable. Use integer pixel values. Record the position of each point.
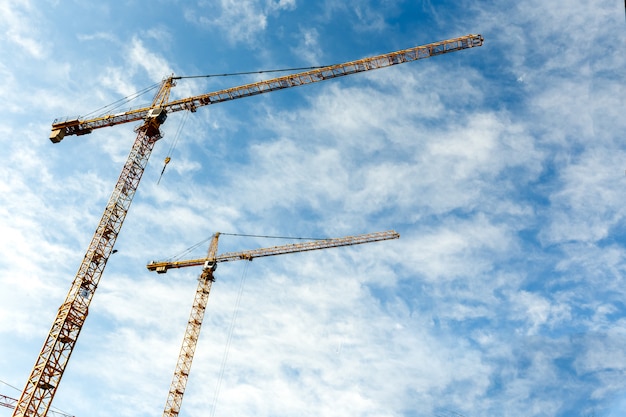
(168, 157)
(229, 338)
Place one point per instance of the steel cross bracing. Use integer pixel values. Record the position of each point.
(206, 279)
(46, 374)
(9, 402)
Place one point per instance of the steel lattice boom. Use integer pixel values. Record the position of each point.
(82, 127)
(162, 267)
(9, 402)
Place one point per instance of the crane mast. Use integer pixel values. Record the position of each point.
(52, 360)
(192, 333)
(206, 279)
(43, 382)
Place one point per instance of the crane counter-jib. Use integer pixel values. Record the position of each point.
(76, 126)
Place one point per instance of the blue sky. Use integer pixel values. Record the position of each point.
(502, 167)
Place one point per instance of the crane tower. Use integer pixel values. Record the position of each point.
(43, 382)
(190, 340)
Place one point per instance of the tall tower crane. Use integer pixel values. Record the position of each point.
(206, 279)
(50, 365)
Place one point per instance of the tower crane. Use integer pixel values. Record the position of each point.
(52, 360)
(206, 279)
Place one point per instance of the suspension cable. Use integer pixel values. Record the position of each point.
(189, 250)
(203, 242)
(118, 103)
(274, 237)
(230, 74)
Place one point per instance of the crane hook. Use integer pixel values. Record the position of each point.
(167, 161)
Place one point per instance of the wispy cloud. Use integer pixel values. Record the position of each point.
(243, 21)
(19, 20)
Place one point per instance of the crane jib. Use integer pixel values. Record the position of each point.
(163, 267)
(76, 126)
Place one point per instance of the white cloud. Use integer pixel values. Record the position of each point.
(242, 20)
(309, 48)
(590, 203)
(155, 65)
(18, 19)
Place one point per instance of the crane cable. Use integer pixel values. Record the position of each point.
(188, 250)
(230, 74)
(274, 237)
(118, 103)
(168, 158)
(202, 243)
(229, 338)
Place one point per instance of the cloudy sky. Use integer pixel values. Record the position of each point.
(502, 167)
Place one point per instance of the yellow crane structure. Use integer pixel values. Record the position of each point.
(7, 401)
(52, 360)
(10, 402)
(206, 279)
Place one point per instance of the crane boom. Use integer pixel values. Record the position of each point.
(82, 127)
(43, 382)
(10, 402)
(162, 267)
(7, 401)
(206, 279)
